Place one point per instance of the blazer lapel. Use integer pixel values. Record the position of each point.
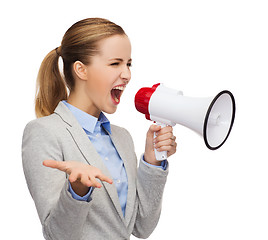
(131, 173)
(88, 151)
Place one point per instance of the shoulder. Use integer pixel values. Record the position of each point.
(43, 125)
(122, 133)
(47, 121)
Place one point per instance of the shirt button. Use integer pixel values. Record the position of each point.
(106, 158)
(97, 135)
(118, 181)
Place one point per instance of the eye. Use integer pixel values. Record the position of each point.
(114, 64)
(129, 64)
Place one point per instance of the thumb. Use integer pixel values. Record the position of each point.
(50, 163)
(55, 164)
(153, 128)
(149, 154)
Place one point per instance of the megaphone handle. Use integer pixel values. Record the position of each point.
(160, 156)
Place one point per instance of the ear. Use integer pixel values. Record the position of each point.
(80, 69)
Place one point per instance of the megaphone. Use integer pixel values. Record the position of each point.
(211, 117)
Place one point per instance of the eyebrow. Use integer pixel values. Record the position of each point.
(120, 59)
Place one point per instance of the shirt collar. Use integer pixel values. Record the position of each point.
(87, 121)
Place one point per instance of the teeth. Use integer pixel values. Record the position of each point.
(116, 96)
(119, 88)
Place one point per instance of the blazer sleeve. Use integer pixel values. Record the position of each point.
(150, 187)
(62, 217)
(150, 184)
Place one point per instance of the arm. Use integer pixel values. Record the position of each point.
(85, 197)
(150, 187)
(163, 164)
(62, 217)
(151, 181)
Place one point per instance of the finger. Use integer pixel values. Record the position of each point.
(173, 150)
(166, 129)
(165, 148)
(168, 142)
(74, 176)
(163, 137)
(94, 182)
(104, 178)
(85, 180)
(154, 128)
(166, 145)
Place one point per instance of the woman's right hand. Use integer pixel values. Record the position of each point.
(81, 175)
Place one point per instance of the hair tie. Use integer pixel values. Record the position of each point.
(56, 49)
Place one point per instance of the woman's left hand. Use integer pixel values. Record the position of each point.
(165, 141)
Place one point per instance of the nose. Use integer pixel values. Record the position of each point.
(126, 74)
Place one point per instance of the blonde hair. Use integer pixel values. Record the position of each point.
(79, 43)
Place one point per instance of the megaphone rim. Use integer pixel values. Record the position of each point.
(207, 118)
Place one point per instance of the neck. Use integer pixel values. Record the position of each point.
(79, 101)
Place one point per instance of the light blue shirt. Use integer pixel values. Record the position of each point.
(98, 131)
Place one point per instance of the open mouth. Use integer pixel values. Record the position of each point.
(116, 93)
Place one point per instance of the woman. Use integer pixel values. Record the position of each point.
(81, 170)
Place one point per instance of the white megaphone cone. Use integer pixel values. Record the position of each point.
(212, 117)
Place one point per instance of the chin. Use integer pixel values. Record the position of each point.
(110, 111)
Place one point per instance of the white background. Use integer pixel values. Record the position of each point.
(199, 47)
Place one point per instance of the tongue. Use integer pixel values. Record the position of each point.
(116, 93)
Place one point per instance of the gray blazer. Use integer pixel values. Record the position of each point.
(60, 137)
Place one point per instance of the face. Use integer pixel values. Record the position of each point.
(107, 75)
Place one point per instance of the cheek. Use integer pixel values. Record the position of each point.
(98, 87)
(100, 82)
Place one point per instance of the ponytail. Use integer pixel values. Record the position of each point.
(51, 88)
